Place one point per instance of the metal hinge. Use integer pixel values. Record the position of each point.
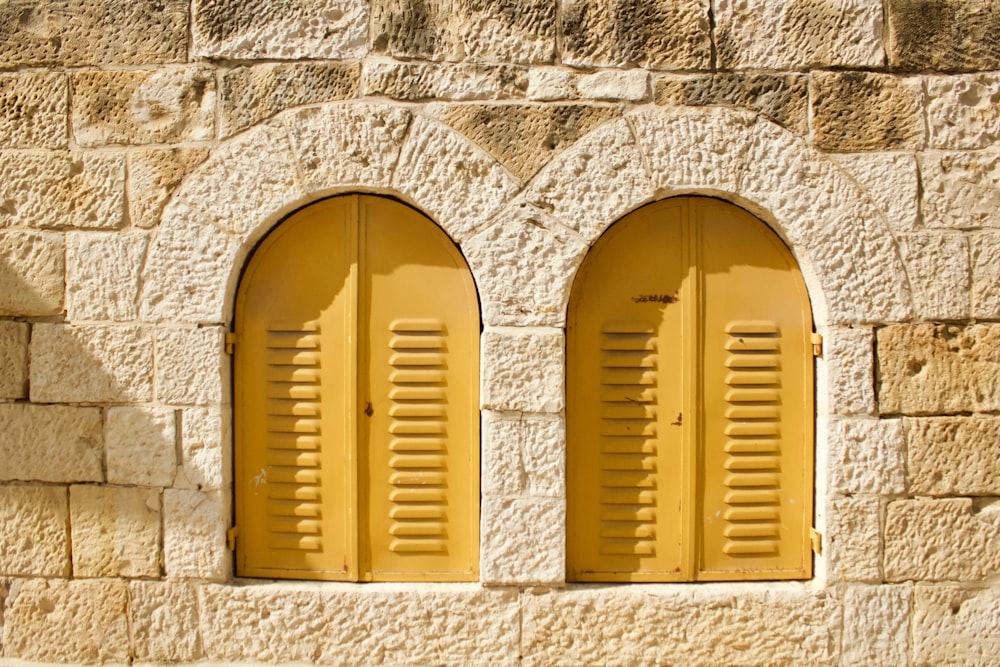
(816, 538)
(230, 341)
(817, 343)
(231, 538)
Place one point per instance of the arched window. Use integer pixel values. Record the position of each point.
(690, 401)
(356, 369)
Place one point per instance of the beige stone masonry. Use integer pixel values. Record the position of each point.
(853, 539)
(553, 84)
(153, 176)
(937, 265)
(194, 534)
(32, 272)
(141, 446)
(51, 443)
(13, 359)
(858, 111)
(102, 275)
(523, 455)
(206, 457)
(891, 180)
(423, 81)
(190, 367)
(523, 370)
(163, 617)
(960, 190)
(115, 531)
(985, 251)
(964, 111)
(849, 364)
(33, 531)
(953, 455)
(954, 625)
(945, 34)
(522, 542)
(866, 456)
(876, 625)
(33, 108)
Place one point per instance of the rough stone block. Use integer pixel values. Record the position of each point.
(524, 455)
(13, 359)
(856, 111)
(876, 625)
(985, 251)
(960, 190)
(59, 190)
(67, 621)
(943, 34)
(287, 29)
(153, 176)
(547, 84)
(522, 542)
(206, 437)
(867, 456)
(891, 180)
(853, 538)
(413, 30)
(955, 625)
(51, 443)
(423, 81)
(253, 94)
(191, 366)
(164, 621)
(964, 111)
(957, 456)
(937, 265)
(954, 539)
(523, 370)
(850, 370)
(33, 539)
(144, 107)
(614, 86)
(116, 531)
(655, 34)
(33, 110)
(32, 271)
(194, 534)
(141, 446)
(91, 363)
(927, 369)
(798, 35)
(102, 275)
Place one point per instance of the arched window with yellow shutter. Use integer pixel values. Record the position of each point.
(689, 401)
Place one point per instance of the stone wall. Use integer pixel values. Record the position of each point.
(146, 146)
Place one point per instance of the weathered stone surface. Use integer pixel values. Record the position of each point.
(522, 541)
(335, 29)
(116, 531)
(954, 539)
(964, 111)
(252, 94)
(91, 363)
(524, 266)
(937, 265)
(352, 625)
(687, 625)
(56, 189)
(413, 30)
(206, 434)
(33, 108)
(190, 366)
(164, 622)
(423, 81)
(141, 446)
(523, 370)
(799, 34)
(524, 455)
(850, 372)
(985, 251)
(13, 359)
(33, 539)
(955, 625)
(549, 84)
(867, 456)
(938, 369)
(50, 443)
(957, 456)
(153, 176)
(67, 621)
(144, 107)
(783, 98)
(853, 539)
(943, 34)
(102, 275)
(891, 180)
(960, 190)
(856, 111)
(876, 625)
(194, 534)
(32, 272)
(656, 34)
(93, 32)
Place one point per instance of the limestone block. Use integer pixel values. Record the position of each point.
(522, 541)
(33, 110)
(286, 29)
(523, 370)
(191, 366)
(953, 539)
(50, 443)
(93, 32)
(614, 86)
(876, 625)
(102, 275)
(144, 107)
(340, 145)
(524, 455)
(164, 622)
(938, 369)
(853, 539)
(32, 271)
(505, 31)
(252, 94)
(783, 98)
(847, 354)
(141, 446)
(452, 180)
(866, 456)
(856, 111)
(657, 34)
(33, 539)
(524, 138)
(943, 35)
(707, 624)
(13, 359)
(67, 621)
(116, 531)
(985, 251)
(524, 265)
(91, 363)
(955, 625)
(891, 180)
(547, 84)
(954, 456)
(194, 534)
(414, 30)
(422, 81)
(937, 265)
(57, 189)
(964, 111)
(206, 437)
(798, 35)
(960, 190)
(153, 176)
(440, 624)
